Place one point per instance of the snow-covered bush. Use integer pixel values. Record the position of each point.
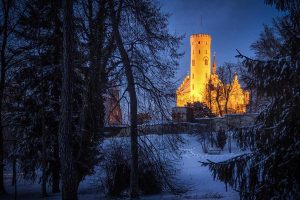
(156, 171)
(116, 167)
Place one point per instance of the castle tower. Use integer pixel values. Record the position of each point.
(200, 65)
(195, 88)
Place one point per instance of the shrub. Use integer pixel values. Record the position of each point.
(155, 173)
(221, 139)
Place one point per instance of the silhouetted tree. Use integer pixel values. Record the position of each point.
(141, 36)
(35, 103)
(69, 177)
(225, 74)
(200, 110)
(270, 171)
(10, 56)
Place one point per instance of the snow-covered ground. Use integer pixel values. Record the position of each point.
(196, 178)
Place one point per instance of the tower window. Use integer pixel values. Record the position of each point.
(193, 62)
(206, 62)
(206, 42)
(193, 76)
(206, 51)
(193, 51)
(199, 51)
(193, 86)
(199, 42)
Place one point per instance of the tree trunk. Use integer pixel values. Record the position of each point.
(227, 95)
(44, 145)
(2, 189)
(2, 84)
(219, 104)
(44, 178)
(134, 191)
(55, 170)
(13, 171)
(68, 173)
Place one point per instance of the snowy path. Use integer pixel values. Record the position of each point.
(197, 179)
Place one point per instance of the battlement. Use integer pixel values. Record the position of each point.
(193, 36)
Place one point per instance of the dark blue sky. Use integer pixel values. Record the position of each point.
(233, 24)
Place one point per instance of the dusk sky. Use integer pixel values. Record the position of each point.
(233, 24)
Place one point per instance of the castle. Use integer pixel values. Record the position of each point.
(203, 84)
(113, 112)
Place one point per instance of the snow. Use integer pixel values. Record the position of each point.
(196, 178)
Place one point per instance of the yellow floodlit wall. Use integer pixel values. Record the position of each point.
(200, 65)
(183, 92)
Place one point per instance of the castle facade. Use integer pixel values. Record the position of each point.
(203, 84)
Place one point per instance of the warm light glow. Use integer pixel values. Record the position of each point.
(200, 71)
(196, 88)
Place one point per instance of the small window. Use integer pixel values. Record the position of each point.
(193, 51)
(193, 76)
(193, 62)
(206, 42)
(206, 62)
(199, 51)
(205, 51)
(199, 42)
(193, 86)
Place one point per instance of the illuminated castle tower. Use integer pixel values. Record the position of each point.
(200, 65)
(194, 87)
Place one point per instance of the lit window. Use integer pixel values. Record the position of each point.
(193, 62)
(206, 62)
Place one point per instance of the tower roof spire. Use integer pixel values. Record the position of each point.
(214, 70)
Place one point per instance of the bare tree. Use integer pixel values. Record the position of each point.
(220, 88)
(149, 57)
(225, 74)
(133, 101)
(214, 95)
